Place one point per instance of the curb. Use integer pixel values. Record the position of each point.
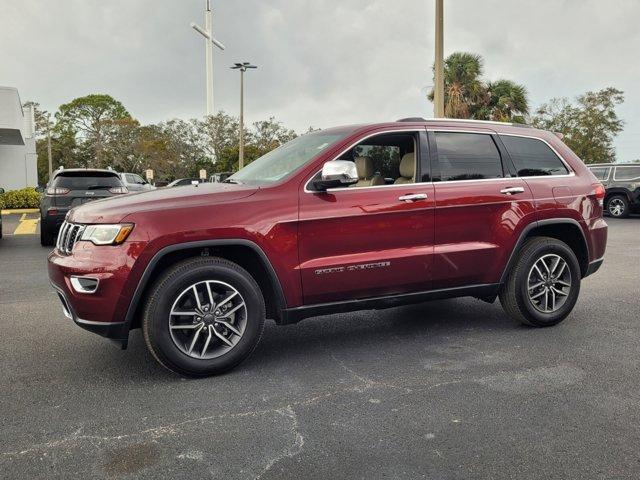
(19, 211)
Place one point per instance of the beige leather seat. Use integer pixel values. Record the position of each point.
(407, 169)
(366, 175)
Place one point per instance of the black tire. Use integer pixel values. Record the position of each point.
(155, 322)
(618, 206)
(514, 294)
(46, 237)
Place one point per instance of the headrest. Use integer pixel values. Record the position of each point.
(408, 165)
(364, 165)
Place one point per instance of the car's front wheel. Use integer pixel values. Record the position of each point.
(47, 238)
(543, 286)
(618, 206)
(203, 317)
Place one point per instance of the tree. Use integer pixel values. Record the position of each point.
(269, 134)
(91, 118)
(507, 101)
(222, 132)
(589, 125)
(467, 95)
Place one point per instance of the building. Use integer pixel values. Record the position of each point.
(18, 159)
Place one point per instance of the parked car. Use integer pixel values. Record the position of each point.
(220, 177)
(71, 188)
(180, 182)
(135, 183)
(622, 183)
(1, 192)
(479, 209)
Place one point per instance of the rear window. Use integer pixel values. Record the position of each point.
(467, 156)
(86, 180)
(533, 157)
(627, 173)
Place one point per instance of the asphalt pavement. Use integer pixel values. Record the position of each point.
(443, 390)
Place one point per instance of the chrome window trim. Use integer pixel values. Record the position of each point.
(615, 171)
(567, 166)
(383, 132)
(608, 169)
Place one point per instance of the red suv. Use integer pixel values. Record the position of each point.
(348, 218)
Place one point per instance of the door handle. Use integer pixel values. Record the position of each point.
(512, 190)
(413, 197)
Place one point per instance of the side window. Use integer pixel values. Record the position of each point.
(385, 159)
(130, 178)
(601, 173)
(627, 173)
(533, 157)
(138, 179)
(467, 156)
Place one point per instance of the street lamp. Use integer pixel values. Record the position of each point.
(243, 68)
(207, 33)
(438, 89)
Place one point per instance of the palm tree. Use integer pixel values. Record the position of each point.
(464, 91)
(508, 101)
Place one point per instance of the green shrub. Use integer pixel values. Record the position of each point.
(25, 198)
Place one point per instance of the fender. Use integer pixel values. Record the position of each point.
(144, 280)
(536, 224)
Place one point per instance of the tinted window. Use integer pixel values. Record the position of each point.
(627, 173)
(533, 157)
(130, 178)
(86, 180)
(467, 156)
(601, 173)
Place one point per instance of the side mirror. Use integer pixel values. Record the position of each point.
(1, 191)
(39, 189)
(337, 173)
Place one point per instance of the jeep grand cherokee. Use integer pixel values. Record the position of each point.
(348, 218)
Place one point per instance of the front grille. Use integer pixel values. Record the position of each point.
(69, 234)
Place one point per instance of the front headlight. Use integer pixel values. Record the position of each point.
(107, 234)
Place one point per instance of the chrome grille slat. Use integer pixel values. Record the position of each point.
(69, 235)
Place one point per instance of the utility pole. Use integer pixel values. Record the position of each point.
(49, 145)
(207, 33)
(438, 89)
(243, 68)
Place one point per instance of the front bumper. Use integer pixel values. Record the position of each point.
(104, 310)
(116, 331)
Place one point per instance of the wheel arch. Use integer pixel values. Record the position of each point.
(610, 192)
(243, 252)
(566, 230)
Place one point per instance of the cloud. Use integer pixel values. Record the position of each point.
(320, 63)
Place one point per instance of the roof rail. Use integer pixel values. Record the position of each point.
(463, 120)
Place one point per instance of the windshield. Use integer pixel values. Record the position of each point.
(86, 180)
(286, 159)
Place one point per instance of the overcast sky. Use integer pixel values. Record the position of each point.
(321, 63)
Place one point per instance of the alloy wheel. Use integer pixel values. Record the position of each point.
(616, 207)
(207, 319)
(549, 283)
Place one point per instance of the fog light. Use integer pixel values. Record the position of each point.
(84, 284)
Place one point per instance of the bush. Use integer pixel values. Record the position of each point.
(25, 198)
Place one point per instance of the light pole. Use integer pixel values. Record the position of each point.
(438, 89)
(243, 68)
(207, 33)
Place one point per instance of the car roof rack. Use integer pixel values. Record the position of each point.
(463, 120)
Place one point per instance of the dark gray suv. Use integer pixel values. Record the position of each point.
(70, 188)
(622, 183)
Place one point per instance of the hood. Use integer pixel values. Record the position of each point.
(115, 209)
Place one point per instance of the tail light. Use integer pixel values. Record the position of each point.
(55, 191)
(119, 190)
(599, 192)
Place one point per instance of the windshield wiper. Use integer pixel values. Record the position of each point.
(232, 180)
(96, 187)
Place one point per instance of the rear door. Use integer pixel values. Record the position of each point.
(84, 187)
(368, 241)
(480, 205)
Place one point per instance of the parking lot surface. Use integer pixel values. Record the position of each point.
(444, 390)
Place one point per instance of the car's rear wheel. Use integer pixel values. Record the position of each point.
(618, 206)
(47, 237)
(543, 286)
(203, 317)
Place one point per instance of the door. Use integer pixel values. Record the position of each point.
(374, 238)
(480, 207)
